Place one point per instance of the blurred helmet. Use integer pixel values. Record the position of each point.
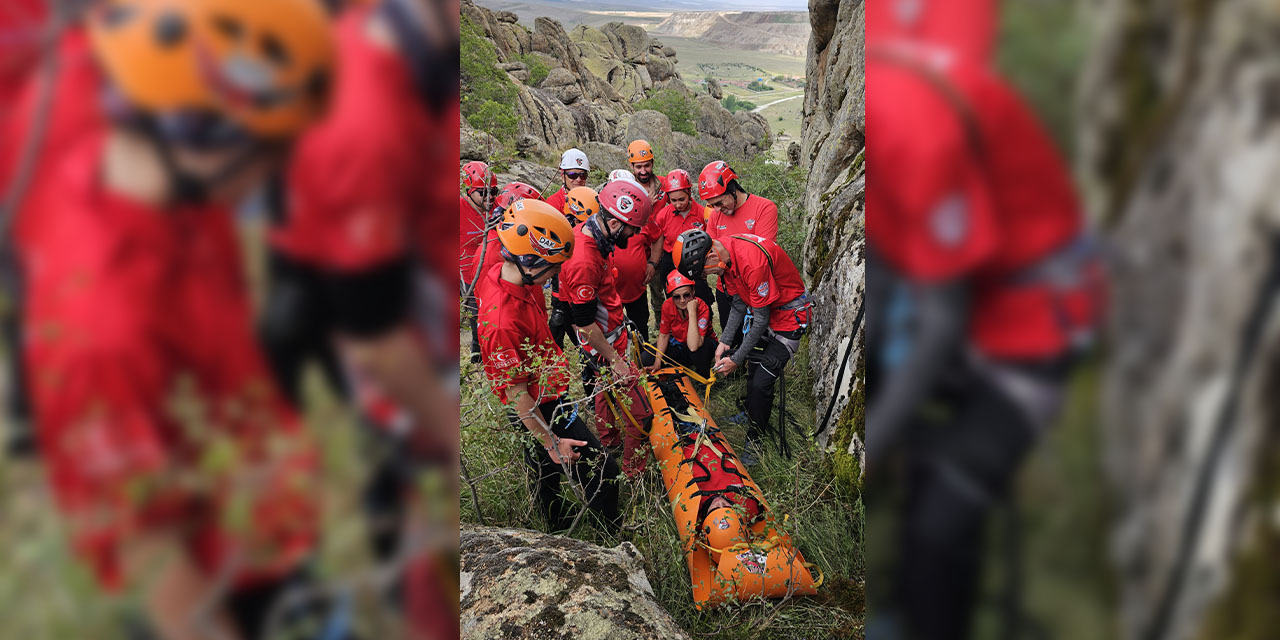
(575, 159)
(963, 28)
(626, 201)
(230, 67)
(510, 193)
(675, 280)
(714, 179)
(478, 175)
(533, 233)
(581, 203)
(639, 151)
(723, 528)
(622, 174)
(690, 252)
(679, 180)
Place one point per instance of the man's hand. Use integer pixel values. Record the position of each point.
(563, 451)
(622, 370)
(721, 349)
(648, 272)
(653, 368)
(725, 365)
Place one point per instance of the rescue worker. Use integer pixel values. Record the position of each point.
(136, 219)
(640, 157)
(733, 211)
(490, 253)
(685, 335)
(679, 215)
(982, 288)
(589, 285)
(580, 204)
(635, 266)
(574, 168)
(480, 187)
(529, 373)
(769, 306)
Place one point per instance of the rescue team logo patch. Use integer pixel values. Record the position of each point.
(579, 162)
(722, 524)
(585, 292)
(697, 224)
(751, 223)
(763, 289)
(702, 323)
(626, 204)
(753, 562)
(949, 221)
(505, 359)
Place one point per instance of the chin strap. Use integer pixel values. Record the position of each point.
(604, 241)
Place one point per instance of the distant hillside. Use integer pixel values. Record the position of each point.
(784, 32)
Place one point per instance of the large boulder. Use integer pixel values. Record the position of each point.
(754, 128)
(605, 156)
(521, 584)
(477, 145)
(831, 147)
(531, 173)
(630, 43)
(654, 127)
(546, 118)
(1178, 145)
(562, 84)
(713, 89)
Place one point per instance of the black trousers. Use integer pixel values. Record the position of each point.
(765, 365)
(472, 310)
(638, 312)
(596, 472)
(956, 470)
(21, 439)
(296, 326)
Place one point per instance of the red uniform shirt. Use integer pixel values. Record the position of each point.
(515, 342)
(758, 216)
(632, 262)
(144, 362)
(21, 22)
(364, 178)
(588, 277)
(673, 223)
(983, 214)
(676, 324)
(658, 200)
(470, 236)
(763, 275)
(75, 114)
(557, 199)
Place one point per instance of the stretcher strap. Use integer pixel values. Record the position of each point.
(620, 408)
(644, 345)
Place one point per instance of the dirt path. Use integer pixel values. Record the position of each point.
(766, 106)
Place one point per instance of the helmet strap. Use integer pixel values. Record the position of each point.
(185, 188)
(599, 228)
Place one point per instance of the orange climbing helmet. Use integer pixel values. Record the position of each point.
(266, 67)
(581, 203)
(724, 529)
(639, 151)
(533, 233)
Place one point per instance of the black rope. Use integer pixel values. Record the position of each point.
(1226, 423)
(844, 364)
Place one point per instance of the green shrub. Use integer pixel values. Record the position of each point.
(538, 69)
(756, 85)
(735, 104)
(679, 109)
(487, 92)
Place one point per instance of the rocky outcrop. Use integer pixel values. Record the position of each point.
(595, 78)
(530, 173)
(832, 138)
(782, 32)
(521, 584)
(476, 145)
(1178, 152)
(714, 90)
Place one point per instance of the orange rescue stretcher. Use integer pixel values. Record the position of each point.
(734, 552)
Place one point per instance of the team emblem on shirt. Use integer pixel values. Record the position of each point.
(702, 323)
(763, 289)
(585, 292)
(751, 224)
(505, 359)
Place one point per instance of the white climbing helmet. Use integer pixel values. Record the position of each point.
(575, 159)
(623, 174)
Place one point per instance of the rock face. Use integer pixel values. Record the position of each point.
(1179, 152)
(595, 78)
(522, 584)
(832, 137)
(775, 31)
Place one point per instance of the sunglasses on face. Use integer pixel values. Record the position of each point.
(492, 192)
(681, 296)
(575, 175)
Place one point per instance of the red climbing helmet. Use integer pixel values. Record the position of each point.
(679, 180)
(715, 179)
(478, 175)
(510, 193)
(627, 202)
(675, 280)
